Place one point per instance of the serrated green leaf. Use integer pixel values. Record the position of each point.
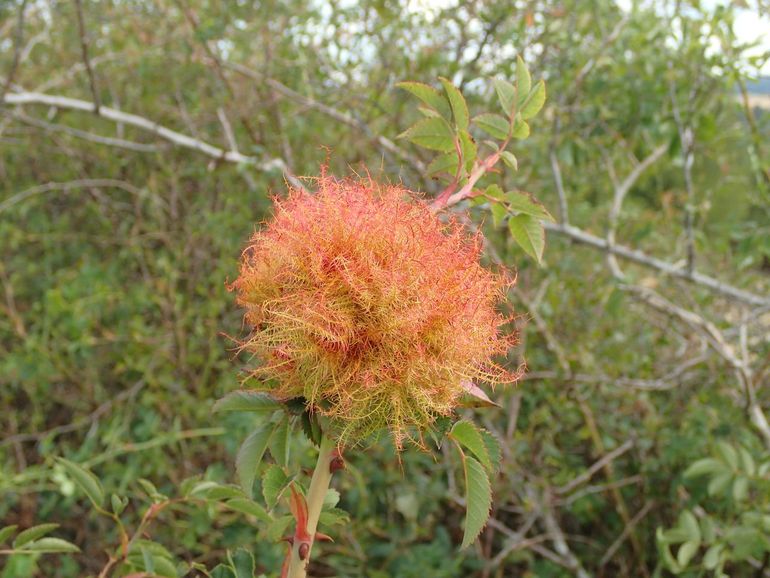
(703, 467)
(478, 500)
(222, 571)
(33, 533)
(431, 133)
(333, 517)
(457, 103)
(50, 546)
(429, 95)
(728, 454)
(719, 483)
(689, 523)
(243, 563)
(223, 493)
(522, 202)
(278, 528)
(118, 504)
(523, 80)
(274, 483)
(534, 101)
(468, 147)
(506, 95)
(740, 488)
(674, 536)
(427, 111)
(249, 507)
(444, 163)
(311, 427)
(250, 455)
(746, 461)
(331, 499)
(520, 129)
(7, 532)
(493, 448)
(529, 233)
(510, 160)
(150, 489)
(247, 400)
(280, 442)
(708, 529)
(85, 480)
(686, 553)
(665, 552)
(494, 124)
(149, 564)
(499, 213)
(495, 192)
(468, 435)
(712, 556)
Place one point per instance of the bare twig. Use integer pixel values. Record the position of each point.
(580, 236)
(598, 465)
(343, 117)
(625, 533)
(621, 190)
(88, 420)
(716, 339)
(556, 170)
(177, 138)
(78, 184)
(84, 52)
(85, 135)
(19, 38)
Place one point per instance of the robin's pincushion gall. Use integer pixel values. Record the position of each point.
(362, 302)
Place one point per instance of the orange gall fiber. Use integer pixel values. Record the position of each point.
(362, 302)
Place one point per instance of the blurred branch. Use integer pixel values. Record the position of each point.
(665, 267)
(213, 54)
(716, 339)
(78, 184)
(598, 465)
(343, 117)
(625, 533)
(85, 135)
(560, 543)
(556, 170)
(621, 190)
(84, 52)
(177, 138)
(88, 420)
(17, 42)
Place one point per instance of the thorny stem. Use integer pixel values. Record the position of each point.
(319, 484)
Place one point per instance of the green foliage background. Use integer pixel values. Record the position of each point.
(114, 314)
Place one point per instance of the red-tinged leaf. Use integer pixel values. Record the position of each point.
(480, 398)
(298, 507)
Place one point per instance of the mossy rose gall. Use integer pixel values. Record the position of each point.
(362, 302)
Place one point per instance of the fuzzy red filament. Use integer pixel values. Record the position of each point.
(364, 303)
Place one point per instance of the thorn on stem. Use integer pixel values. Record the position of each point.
(303, 550)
